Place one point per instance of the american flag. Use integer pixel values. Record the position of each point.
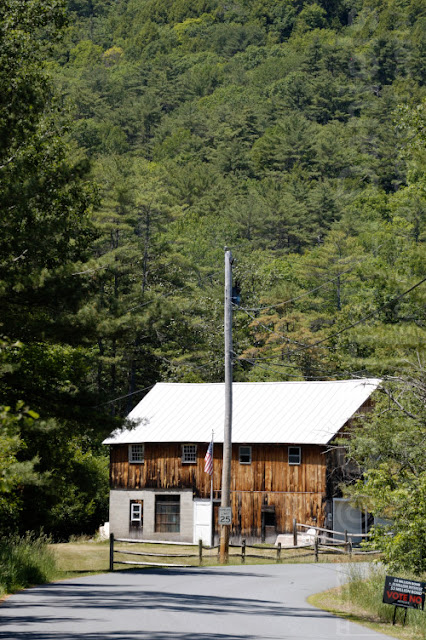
(208, 460)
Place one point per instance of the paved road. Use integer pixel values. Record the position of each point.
(233, 603)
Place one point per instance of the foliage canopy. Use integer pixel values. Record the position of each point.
(291, 131)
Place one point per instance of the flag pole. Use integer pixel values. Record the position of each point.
(211, 494)
(211, 477)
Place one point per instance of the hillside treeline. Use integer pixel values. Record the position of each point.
(142, 137)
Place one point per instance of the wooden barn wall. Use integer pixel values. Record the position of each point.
(268, 471)
(296, 491)
(247, 511)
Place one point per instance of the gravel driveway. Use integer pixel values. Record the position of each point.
(262, 602)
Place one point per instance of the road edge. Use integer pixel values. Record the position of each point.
(329, 601)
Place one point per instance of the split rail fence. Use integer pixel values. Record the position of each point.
(322, 543)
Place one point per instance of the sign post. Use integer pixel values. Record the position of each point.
(403, 593)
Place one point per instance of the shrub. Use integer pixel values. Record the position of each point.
(25, 561)
(365, 589)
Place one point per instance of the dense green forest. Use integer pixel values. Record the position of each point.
(137, 139)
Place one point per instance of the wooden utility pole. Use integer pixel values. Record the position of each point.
(227, 433)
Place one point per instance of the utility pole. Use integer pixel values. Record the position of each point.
(227, 433)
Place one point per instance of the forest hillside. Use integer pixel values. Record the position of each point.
(161, 131)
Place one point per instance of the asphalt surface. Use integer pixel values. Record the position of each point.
(262, 602)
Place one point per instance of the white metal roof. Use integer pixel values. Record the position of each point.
(263, 412)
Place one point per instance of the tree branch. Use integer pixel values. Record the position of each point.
(399, 405)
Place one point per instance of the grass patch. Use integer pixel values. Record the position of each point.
(75, 559)
(83, 557)
(360, 600)
(24, 562)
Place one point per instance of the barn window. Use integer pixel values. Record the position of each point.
(189, 453)
(167, 513)
(136, 513)
(245, 455)
(136, 453)
(294, 455)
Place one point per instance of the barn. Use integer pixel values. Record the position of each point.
(283, 466)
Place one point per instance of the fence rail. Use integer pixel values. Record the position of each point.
(148, 554)
(320, 545)
(339, 533)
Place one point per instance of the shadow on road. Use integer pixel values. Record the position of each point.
(126, 635)
(91, 596)
(110, 607)
(195, 572)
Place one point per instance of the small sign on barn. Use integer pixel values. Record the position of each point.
(225, 516)
(404, 593)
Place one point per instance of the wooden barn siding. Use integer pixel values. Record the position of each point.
(296, 491)
(268, 471)
(247, 511)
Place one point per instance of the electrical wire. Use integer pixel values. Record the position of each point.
(283, 365)
(323, 373)
(303, 347)
(330, 376)
(124, 397)
(277, 333)
(367, 317)
(306, 293)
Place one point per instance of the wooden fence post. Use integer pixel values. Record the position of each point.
(316, 545)
(294, 532)
(279, 552)
(200, 552)
(111, 552)
(243, 551)
(346, 541)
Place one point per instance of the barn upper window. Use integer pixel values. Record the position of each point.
(294, 455)
(189, 453)
(245, 455)
(136, 453)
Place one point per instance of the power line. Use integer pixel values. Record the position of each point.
(369, 315)
(123, 397)
(306, 293)
(277, 333)
(287, 365)
(289, 375)
(303, 347)
(323, 373)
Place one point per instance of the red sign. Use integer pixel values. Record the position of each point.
(404, 593)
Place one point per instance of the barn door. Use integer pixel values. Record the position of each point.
(269, 523)
(203, 521)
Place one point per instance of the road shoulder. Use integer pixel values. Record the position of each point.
(332, 602)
